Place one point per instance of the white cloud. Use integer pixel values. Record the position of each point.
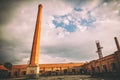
(55, 8)
(66, 22)
(103, 30)
(91, 5)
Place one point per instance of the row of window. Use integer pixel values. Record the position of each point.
(105, 69)
(65, 71)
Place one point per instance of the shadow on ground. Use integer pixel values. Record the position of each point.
(66, 77)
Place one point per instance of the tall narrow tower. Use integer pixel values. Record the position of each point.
(33, 67)
(99, 51)
(117, 43)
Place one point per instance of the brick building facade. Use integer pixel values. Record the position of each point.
(49, 69)
(108, 65)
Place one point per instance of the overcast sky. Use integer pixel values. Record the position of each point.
(69, 29)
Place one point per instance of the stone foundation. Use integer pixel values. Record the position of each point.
(32, 72)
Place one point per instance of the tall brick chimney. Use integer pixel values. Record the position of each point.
(117, 43)
(33, 67)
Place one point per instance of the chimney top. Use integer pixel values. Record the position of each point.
(40, 5)
(117, 43)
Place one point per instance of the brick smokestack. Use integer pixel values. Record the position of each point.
(117, 43)
(99, 51)
(33, 67)
(34, 60)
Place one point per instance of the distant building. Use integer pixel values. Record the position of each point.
(106, 66)
(49, 69)
(4, 72)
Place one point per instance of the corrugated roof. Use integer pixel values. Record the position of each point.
(19, 66)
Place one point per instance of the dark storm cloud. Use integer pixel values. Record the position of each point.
(7, 51)
(77, 2)
(9, 47)
(110, 0)
(7, 8)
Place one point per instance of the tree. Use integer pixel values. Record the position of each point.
(8, 65)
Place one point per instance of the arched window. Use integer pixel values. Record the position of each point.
(65, 71)
(114, 68)
(81, 71)
(16, 73)
(105, 68)
(40, 71)
(73, 70)
(98, 69)
(24, 73)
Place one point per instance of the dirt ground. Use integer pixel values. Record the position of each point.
(66, 77)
